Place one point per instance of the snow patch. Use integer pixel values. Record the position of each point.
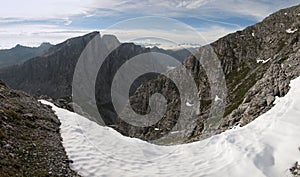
(217, 98)
(263, 61)
(291, 31)
(253, 34)
(188, 104)
(268, 146)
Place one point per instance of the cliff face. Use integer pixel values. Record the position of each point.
(274, 62)
(29, 137)
(249, 53)
(258, 63)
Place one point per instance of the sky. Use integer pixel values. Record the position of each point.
(31, 22)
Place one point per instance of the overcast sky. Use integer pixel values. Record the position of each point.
(31, 22)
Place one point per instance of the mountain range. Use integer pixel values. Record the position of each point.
(249, 76)
(258, 64)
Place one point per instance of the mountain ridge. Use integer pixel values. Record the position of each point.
(19, 54)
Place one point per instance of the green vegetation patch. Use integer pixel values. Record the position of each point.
(2, 135)
(281, 45)
(13, 116)
(29, 124)
(236, 76)
(240, 92)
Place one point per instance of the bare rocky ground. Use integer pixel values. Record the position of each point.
(30, 142)
(295, 170)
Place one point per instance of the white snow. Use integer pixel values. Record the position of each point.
(253, 34)
(291, 31)
(268, 146)
(188, 104)
(263, 61)
(217, 98)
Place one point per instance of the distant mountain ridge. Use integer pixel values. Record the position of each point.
(19, 54)
(51, 74)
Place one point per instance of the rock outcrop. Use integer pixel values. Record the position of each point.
(295, 170)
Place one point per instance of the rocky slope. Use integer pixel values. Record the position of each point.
(258, 64)
(29, 137)
(20, 54)
(276, 41)
(295, 170)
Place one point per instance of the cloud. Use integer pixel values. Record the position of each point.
(67, 22)
(198, 36)
(257, 9)
(33, 21)
(41, 10)
(213, 33)
(251, 8)
(57, 9)
(35, 34)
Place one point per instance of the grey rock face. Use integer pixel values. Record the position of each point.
(280, 50)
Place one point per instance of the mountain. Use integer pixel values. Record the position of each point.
(257, 63)
(49, 74)
(30, 137)
(20, 54)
